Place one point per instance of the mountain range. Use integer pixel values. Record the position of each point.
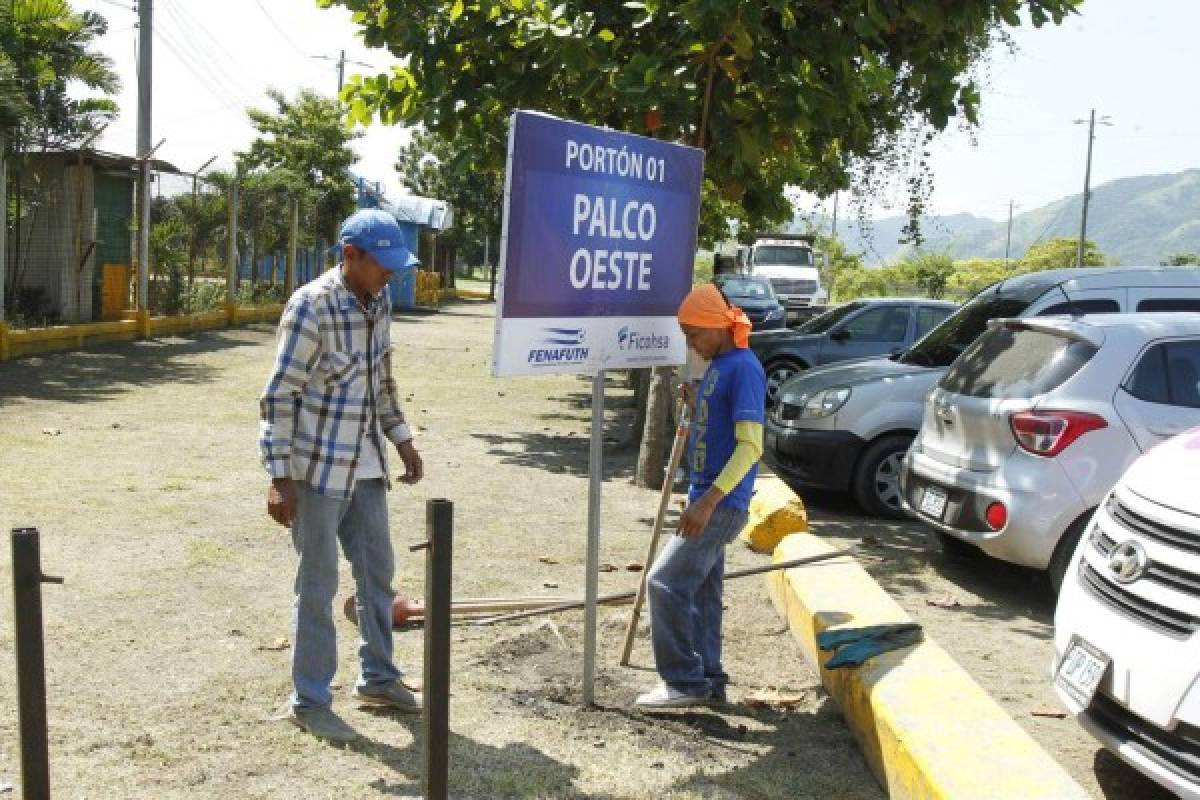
(1134, 221)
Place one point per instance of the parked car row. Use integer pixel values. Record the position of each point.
(860, 329)
(846, 427)
(1008, 429)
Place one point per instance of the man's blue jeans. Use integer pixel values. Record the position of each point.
(685, 588)
(360, 524)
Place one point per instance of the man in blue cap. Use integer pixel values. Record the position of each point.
(328, 408)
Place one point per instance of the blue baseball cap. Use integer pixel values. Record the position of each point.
(377, 232)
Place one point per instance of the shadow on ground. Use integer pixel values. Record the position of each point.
(900, 554)
(1119, 781)
(107, 370)
(558, 453)
(516, 770)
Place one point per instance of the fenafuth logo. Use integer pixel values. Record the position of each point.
(632, 340)
(560, 346)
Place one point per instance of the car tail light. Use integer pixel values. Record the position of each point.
(1048, 433)
(996, 516)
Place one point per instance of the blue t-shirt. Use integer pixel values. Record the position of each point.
(733, 390)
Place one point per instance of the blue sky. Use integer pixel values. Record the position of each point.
(1133, 61)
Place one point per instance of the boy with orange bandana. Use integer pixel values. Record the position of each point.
(685, 584)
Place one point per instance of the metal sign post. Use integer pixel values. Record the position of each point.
(591, 587)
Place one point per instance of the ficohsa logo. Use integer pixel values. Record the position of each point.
(628, 340)
(560, 346)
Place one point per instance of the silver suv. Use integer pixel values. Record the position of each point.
(846, 427)
(1027, 432)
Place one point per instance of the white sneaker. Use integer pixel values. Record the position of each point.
(663, 696)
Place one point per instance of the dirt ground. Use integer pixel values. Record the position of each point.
(166, 648)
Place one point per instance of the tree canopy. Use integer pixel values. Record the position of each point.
(937, 275)
(46, 58)
(428, 166)
(305, 140)
(817, 95)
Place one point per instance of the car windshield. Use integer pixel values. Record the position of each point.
(748, 289)
(822, 323)
(783, 256)
(944, 343)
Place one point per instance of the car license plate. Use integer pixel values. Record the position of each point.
(933, 502)
(1081, 671)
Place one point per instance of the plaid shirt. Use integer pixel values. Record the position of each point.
(334, 362)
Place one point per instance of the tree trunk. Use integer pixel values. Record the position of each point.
(652, 457)
(639, 381)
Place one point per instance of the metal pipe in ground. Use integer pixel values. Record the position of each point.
(31, 662)
(439, 523)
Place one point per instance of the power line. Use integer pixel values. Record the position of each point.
(188, 22)
(206, 80)
(120, 5)
(279, 30)
(202, 53)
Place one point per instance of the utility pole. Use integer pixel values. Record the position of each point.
(1008, 238)
(144, 152)
(1087, 180)
(833, 229)
(341, 62)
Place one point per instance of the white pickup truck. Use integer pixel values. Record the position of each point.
(787, 261)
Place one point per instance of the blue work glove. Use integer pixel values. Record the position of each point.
(853, 650)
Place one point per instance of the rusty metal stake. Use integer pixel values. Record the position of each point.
(439, 526)
(31, 662)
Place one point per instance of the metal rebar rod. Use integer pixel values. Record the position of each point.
(664, 501)
(439, 516)
(612, 598)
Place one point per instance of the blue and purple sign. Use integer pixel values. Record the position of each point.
(599, 243)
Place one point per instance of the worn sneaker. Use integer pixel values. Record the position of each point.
(663, 696)
(323, 724)
(395, 695)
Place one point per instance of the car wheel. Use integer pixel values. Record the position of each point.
(1064, 551)
(876, 484)
(779, 373)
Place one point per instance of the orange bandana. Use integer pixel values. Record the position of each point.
(706, 307)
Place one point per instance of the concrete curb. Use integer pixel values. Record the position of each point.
(775, 512)
(926, 728)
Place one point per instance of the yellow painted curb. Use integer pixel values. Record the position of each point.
(925, 727)
(15, 343)
(775, 512)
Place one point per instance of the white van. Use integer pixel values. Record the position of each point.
(1127, 653)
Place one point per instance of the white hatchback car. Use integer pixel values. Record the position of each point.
(1127, 654)
(1036, 421)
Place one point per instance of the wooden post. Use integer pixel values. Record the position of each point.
(289, 275)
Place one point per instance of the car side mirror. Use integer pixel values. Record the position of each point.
(840, 335)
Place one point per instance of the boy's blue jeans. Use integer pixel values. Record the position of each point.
(360, 524)
(685, 588)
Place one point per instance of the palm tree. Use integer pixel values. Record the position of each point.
(47, 48)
